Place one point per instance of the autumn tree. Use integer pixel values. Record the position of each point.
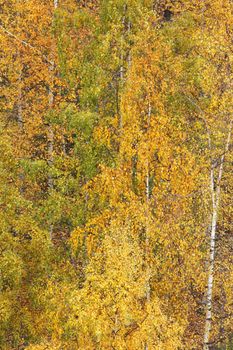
(115, 175)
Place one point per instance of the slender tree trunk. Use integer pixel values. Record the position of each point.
(20, 125)
(50, 131)
(20, 120)
(209, 296)
(51, 146)
(20, 109)
(148, 292)
(215, 187)
(147, 232)
(147, 162)
(148, 270)
(122, 44)
(121, 72)
(129, 53)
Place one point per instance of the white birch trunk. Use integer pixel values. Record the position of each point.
(50, 134)
(147, 233)
(215, 192)
(147, 165)
(209, 295)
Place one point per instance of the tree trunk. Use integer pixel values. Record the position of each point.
(148, 292)
(20, 110)
(148, 270)
(215, 187)
(121, 71)
(21, 126)
(50, 131)
(210, 280)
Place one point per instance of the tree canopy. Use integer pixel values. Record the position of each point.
(116, 175)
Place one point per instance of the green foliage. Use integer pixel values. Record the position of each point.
(107, 114)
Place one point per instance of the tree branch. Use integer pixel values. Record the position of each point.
(25, 43)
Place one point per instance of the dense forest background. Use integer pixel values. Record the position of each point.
(116, 175)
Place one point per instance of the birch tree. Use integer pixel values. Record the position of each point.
(217, 119)
(215, 188)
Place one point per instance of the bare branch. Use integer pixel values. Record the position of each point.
(25, 43)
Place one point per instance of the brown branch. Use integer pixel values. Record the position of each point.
(135, 326)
